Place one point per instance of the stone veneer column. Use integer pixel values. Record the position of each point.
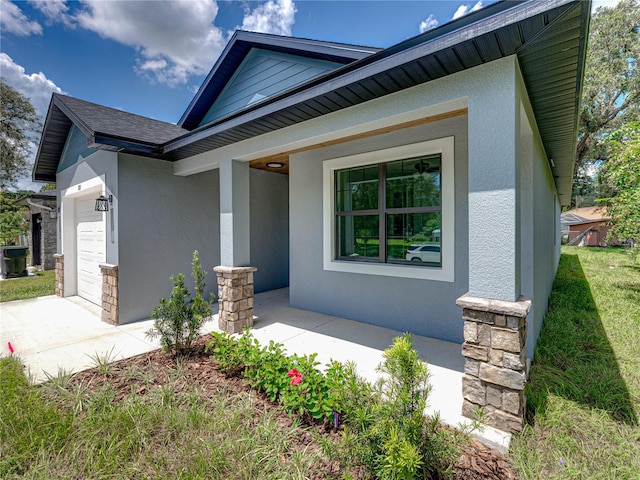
(495, 370)
(59, 268)
(109, 293)
(235, 298)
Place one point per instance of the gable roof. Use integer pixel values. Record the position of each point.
(105, 128)
(581, 215)
(238, 48)
(547, 36)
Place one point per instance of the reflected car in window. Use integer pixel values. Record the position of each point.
(424, 253)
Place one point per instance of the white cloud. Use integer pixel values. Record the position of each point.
(54, 10)
(13, 20)
(465, 9)
(174, 39)
(429, 23)
(35, 86)
(271, 17)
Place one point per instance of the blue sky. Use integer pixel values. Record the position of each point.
(149, 57)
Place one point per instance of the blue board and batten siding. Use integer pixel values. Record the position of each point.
(75, 149)
(263, 74)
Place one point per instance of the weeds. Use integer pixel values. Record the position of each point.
(102, 362)
(82, 433)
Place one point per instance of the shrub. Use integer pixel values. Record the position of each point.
(385, 428)
(295, 381)
(179, 319)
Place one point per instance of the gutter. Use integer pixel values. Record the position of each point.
(33, 204)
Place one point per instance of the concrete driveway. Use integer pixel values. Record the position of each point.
(51, 333)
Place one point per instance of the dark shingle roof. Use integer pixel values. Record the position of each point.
(105, 121)
(105, 128)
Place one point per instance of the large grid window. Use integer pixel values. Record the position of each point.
(390, 212)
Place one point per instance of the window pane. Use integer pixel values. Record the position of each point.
(414, 237)
(357, 189)
(414, 182)
(358, 236)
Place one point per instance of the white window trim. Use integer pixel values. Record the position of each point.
(444, 273)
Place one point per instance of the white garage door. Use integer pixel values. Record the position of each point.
(90, 241)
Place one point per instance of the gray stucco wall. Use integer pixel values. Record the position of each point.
(546, 251)
(269, 229)
(162, 220)
(420, 306)
(539, 217)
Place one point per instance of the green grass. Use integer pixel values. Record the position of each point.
(583, 398)
(28, 287)
(62, 430)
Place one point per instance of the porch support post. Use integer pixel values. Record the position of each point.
(494, 212)
(494, 312)
(234, 213)
(235, 277)
(495, 360)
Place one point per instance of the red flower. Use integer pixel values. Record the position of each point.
(296, 376)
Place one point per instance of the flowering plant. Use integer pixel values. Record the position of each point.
(296, 376)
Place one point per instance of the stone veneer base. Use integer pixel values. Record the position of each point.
(495, 370)
(59, 268)
(235, 298)
(109, 293)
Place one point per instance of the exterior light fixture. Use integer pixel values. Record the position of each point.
(102, 203)
(275, 164)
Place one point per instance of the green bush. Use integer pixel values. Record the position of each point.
(179, 319)
(295, 381)
(382, 426)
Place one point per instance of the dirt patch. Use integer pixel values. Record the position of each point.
(154, 370)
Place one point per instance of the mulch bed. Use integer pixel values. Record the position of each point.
(477, 462)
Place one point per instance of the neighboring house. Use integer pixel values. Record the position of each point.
(587, 226)
(43, 228)
(320, 164)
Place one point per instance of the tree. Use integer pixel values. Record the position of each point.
(622, 175)
(12, 223)
(611, 91)
(18, 124)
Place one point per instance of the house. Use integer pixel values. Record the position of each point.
(587, 226)
(43, 232)
(317, 165)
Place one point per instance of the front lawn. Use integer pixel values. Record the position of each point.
(28, 287)
(583, 399)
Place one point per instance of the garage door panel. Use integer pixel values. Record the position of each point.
(90, 241)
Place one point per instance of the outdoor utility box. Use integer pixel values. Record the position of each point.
(13, 261)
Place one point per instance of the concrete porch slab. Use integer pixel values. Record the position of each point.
(51, 333)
